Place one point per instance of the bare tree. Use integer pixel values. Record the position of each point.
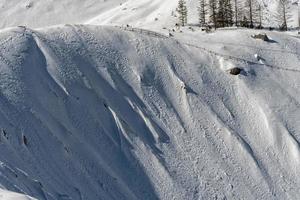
(236, 12)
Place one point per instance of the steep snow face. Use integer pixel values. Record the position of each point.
(103, 113)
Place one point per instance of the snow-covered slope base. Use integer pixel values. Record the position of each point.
(6, 195)
(103, 113)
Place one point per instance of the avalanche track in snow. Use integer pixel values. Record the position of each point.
(101, 113)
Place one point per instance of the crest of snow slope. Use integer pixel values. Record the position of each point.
(100, 113)
(40, 13)
(6, 195)
(157, 14)
(149, 14)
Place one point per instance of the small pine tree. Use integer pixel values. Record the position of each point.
(182, 11)
(202, 10)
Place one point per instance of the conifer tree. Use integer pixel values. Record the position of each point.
(258, 14)
(225, 13)
(250, 7)
(228, 13)
(182, 11)
(221, 14)
(202, 10)
(213, 12)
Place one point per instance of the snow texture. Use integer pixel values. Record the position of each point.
(120, 112)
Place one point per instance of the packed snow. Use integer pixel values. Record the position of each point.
(122, 109)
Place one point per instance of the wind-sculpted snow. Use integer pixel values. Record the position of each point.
(103, 113)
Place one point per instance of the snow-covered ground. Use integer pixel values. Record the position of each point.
(116, 112)
(6, 195)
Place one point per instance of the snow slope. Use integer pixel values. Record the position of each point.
(149, 14)
(116, 112)
(156, 14)
(91, 112)
(6, 195)
(40, 13)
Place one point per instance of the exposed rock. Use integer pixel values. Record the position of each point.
(235, 71)
(261, 36)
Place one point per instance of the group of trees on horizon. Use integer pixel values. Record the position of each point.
(240, 13)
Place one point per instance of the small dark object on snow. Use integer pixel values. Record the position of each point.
(235, 71)
(25, 140)
(4, 133)
(171, 35)
(261, 36)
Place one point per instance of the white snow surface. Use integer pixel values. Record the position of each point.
(6, 195)
(149, 14)
(115, 112)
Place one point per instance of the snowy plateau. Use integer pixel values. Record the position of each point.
(109, 100)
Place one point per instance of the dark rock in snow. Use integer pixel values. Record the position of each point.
(235, 71)
(261, 36)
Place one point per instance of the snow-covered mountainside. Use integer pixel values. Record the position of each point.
(40, 13)
(149, 14)
(117, 112)
(103, 113)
